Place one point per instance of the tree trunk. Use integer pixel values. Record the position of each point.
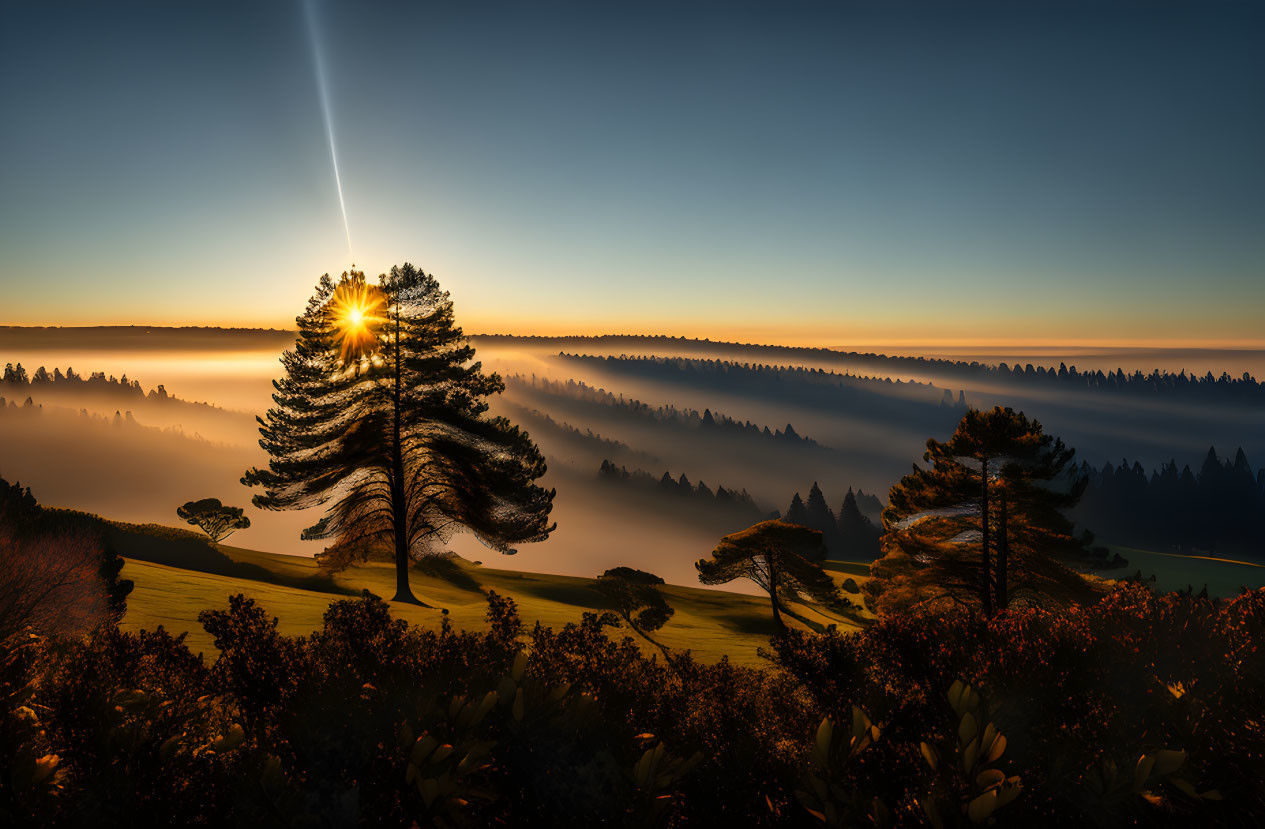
(986, 592)
(1003, 549)
(777, 613)
(399, 507)
(667, 657)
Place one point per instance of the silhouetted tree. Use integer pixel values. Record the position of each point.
(213, 518)
(638, 602)
(989, 508)
(783, 559)
(796, 513)
(858, 537)
(381, 419)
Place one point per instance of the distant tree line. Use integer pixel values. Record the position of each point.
(1218, 510)
(849, 535)
(736, 501)
(714, 422)
(918, 405)
(16, 381)
(1244, 388)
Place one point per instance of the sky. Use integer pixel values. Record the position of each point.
(825, 173)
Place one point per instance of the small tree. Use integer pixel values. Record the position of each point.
(58, 572)
(782, 558)
(638, 602)
(213, 518)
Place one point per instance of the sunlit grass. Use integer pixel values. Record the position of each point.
(710, 623)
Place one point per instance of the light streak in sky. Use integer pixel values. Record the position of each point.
(318, 60)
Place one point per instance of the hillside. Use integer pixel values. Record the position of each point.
(176, 576)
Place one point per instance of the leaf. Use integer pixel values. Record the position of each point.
(930, 755)
(968, 728)
(982, 807)
(517, 710)
(860, 722)
(990, 779)
(45, 766)
(1143, 770)
(429, 788)
(970, 755)
(825, 734)
(489, 700)
(422, 748)
(520, 666)
(1009, 792)
(1168, 761)
(998, 748)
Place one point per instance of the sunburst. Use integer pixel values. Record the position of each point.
(357, 311)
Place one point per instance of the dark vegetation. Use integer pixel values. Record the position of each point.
(54, 386)
(59, 572)
(1218, 511)
(783, 560)
(731, 501)
(851, 535)
(381, 421)
(213, 518)
(1135, 709)
(984, 524)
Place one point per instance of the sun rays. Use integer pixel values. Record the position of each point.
(356, 310)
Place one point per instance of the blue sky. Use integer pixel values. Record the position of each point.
(798, 172)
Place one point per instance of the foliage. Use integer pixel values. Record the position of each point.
(1138, 709)
(213, 518)
(1218, 510)
(984, 524)
(381, 419)
(58, 572)
(637, 602)
(782, 559)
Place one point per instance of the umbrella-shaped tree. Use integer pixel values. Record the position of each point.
(637, 601)
(782, 559)
(213, 518)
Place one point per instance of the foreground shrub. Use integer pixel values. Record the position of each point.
(1138, 709)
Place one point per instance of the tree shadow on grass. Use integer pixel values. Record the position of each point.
(447, 569)
(185, 551)
(576, 595)
(747, 623)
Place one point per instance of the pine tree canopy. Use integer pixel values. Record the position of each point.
(984, 523)
(381, 420)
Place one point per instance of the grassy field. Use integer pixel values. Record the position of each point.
(175, 580)
(1223, 577)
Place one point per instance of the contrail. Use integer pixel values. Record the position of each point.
(318, 60)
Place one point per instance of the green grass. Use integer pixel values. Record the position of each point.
(172, 587)
(1223, 577)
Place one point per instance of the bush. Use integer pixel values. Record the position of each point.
(1137, 709)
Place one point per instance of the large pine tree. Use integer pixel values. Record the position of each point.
(381, 418)
(984, 523)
